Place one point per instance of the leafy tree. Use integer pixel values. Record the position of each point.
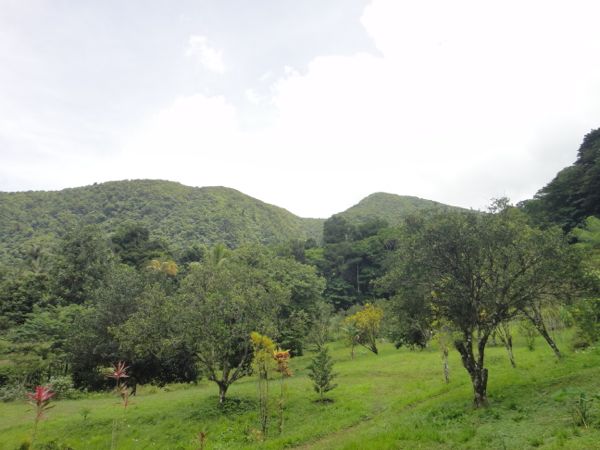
(83, 259)
(319, 332)
(408, 321)
(151, 340)
(476, 271)
(225, 303)
(132, 244)
(351, 259)
(367, 322)
(46, 333)
(588, 240)
(91, 344)
(351, 335)
(20, 292)
(337, 229)
(574, 193)
(586, 313)
(305, 290)
(293, 331)
(320, 372)
(194, 253)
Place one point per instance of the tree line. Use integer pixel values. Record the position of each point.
(96, 299)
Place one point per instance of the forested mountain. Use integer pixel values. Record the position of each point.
(389, 207)
(574, 193)
(181, 215)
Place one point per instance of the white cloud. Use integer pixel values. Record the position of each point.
(252, 96)
(461, 105)
(194, 140)
(209, 57)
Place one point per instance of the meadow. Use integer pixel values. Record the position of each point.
(395, 400)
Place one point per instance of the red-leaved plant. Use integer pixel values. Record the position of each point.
(119, 372)
(40, 399)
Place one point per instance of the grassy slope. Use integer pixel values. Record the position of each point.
(180, 214)
(391, 207)
(394, 400)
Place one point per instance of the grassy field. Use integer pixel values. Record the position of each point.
(394, 400)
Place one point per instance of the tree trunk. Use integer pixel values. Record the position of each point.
(539, 325)
(222, 392)
(446, 366)
(480, 387)
(549, 340)
(477, 372)
(509, 349)
(506, 338)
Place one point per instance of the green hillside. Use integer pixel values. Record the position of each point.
(395, 400)
(179, 214)
(390, 207)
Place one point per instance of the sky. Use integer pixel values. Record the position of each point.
(310, 105)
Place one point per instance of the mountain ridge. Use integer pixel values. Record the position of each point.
(391, 207)
(171, 210)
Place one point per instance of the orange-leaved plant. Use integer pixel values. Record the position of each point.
(263, 348)
(282, 358)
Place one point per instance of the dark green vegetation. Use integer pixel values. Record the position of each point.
(391, 208)
(178, 214)
(172, 281)
(574, 194)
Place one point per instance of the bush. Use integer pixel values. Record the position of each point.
(7, 374)
(13, 391)
(320, 372)
(587, 318)
(63, 387)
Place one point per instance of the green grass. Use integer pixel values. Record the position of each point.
(396, 400)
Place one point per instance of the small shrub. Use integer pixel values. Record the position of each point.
(583, 410)
(25, 445)
(536, 441)
(11, 392)
(587, 318)
(63, 387)
(321, 374)
(85, 412)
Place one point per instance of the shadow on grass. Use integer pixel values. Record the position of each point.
(324, 401)
(231, 407)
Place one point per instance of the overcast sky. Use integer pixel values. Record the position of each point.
(307, 104)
